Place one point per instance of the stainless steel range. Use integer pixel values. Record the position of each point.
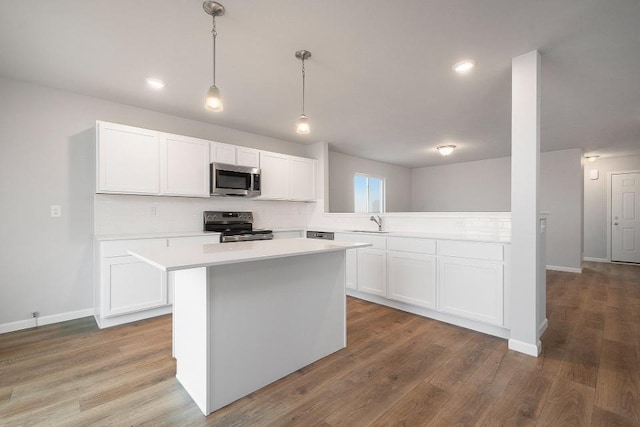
(234, 226)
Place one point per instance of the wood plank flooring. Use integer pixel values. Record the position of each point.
(398, 370)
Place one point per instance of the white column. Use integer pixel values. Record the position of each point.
(525, 177)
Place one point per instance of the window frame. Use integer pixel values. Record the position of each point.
(383, 192)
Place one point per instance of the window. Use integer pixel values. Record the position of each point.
(368, 194)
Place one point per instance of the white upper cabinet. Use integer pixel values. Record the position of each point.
(223, 153)
(128, 159)
(184, 166)
(287, 177)
(302, 178)
(274, 178)
(234, 155)
(248, 157)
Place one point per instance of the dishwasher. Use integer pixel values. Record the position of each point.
(324, 235)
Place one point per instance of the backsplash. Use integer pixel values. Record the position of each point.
(126, 214)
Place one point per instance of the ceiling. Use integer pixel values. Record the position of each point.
(379, 83)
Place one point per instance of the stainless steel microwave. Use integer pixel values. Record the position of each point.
(232, 180)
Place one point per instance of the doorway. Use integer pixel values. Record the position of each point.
(625, 217)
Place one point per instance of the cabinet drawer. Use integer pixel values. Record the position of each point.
(475, 250)
(120, 247)
(404, 244)
(378, 242)
(176, 242)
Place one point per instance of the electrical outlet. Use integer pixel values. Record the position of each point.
(56, 211)
(35, 314)
(153, 211)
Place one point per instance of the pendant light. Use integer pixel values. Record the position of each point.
(213, 100)
(302, 125)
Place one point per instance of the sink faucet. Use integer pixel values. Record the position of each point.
(377, 221)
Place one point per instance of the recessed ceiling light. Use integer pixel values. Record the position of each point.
(463, 67)
(154, 83)
(445, 150)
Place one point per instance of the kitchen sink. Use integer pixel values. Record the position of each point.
(368, 231)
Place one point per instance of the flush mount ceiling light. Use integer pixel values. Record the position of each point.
(213, 100)
(302, 125)
(463, 67)
(445, 150)
(591, 159)
(154, 83)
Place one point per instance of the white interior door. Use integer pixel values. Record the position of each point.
(625, 217)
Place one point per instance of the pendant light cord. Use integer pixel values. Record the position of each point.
(214, 34)
(303, 75)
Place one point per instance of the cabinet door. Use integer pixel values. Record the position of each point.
(352, 269)
(274, 177)
(184, 166)
(352, 260)
(128, 159)
(372, 271)
(302, 178)
(471, 288)
(248, 157)
(222, 153)
(412, 278)
(131, 285)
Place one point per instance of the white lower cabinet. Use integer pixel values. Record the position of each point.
(131, 285)
(472, 289)
(412, 278)
(467, 280)
(128, 289)
(372, 271)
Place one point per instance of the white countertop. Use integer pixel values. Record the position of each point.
(465, 237)
(105, 237)
(171, 259)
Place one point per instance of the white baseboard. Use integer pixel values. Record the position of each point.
(588, 258)
(565, 269)
(543, 327)
(526, 348)
(45, 320)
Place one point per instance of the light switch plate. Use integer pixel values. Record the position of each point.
(593, 174)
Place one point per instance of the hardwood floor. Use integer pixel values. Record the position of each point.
(398, 370)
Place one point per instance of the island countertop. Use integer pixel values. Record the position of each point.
(207, 255)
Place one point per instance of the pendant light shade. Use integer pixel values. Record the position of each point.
(302, 125)
(213, 101)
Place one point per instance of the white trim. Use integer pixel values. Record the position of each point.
(526, 348)
(565, 269)
(609, 195)
(16, 326)
(543, 327)
(45, 320)
(588, 258)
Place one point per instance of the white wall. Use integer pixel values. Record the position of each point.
(47, 157)
(480, 186)
(485, 185)
(343, 167)
(595, 202)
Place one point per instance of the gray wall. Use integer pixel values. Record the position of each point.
(595, 202)
(47, 157)
(342, 168)
(485, 185)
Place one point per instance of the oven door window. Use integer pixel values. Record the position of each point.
(233, 180)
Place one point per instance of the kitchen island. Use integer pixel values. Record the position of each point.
(246, 314)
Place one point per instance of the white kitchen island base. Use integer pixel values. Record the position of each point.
(241, 326)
